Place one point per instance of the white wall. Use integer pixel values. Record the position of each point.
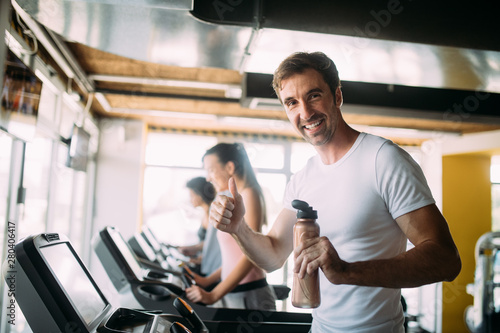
(119, 172)
(488, 142)
(432, 165)
(118, 188)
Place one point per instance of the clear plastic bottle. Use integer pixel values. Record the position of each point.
(305, 291)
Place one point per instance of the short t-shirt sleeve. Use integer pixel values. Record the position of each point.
(400, 181)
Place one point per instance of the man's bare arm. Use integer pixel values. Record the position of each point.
(270, 251)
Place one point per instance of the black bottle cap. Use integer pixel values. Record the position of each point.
(304, 211)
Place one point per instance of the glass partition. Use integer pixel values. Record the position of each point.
(495, 192)
(36, 180)
(5, 152)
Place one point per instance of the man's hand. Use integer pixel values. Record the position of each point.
(318, 252)
(227, 213)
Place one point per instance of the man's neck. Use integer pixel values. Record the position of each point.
(342, 141)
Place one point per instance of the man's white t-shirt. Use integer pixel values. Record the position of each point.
(358, 199)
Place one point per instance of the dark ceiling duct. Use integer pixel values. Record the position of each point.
(393, 100)
(440, 23)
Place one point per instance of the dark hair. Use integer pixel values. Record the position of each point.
(300, 61)
(204, 189)
(236, 153)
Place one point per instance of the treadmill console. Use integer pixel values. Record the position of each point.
(124, 267)
(57, 293)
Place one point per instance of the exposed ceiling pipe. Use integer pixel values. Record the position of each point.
(103, 101)
(64, 59)
(257, 19)
(79, 73)
(247, 53)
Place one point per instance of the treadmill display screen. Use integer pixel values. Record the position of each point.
(74, 280)
(127, 253)
(151, 239)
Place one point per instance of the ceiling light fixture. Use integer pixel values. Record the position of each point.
(231, 90)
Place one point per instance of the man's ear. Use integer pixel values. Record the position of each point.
(339, 99)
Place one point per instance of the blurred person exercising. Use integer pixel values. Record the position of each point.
(201, 194)
(242, 285)
(371, 197)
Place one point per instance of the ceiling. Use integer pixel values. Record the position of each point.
(411, 70)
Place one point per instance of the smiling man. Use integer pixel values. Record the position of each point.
(371, 197)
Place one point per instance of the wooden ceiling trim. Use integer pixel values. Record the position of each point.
(191, 106)
(229, 133)
(271, 129)
(95, 61)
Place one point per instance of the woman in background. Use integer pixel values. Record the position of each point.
(242, 285)
(201, 193)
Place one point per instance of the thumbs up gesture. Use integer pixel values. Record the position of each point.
(227, 213)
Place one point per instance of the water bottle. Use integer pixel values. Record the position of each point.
(305, 291)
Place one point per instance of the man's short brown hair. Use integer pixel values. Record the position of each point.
(300, 61)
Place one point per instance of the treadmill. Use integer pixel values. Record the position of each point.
(169, 253)
(119, 261)
(57, 293)
(147, 255)
(165, 258)
(174, 257)
(139, 283)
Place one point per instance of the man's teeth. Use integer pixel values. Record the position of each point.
(313, 125)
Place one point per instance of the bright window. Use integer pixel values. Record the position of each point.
(36, 182)
(268, 156)
(301, 152)
(166, 206)
(5, 152)
(5, 165)
(177, 150)
(495, 192)
(495, 169)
